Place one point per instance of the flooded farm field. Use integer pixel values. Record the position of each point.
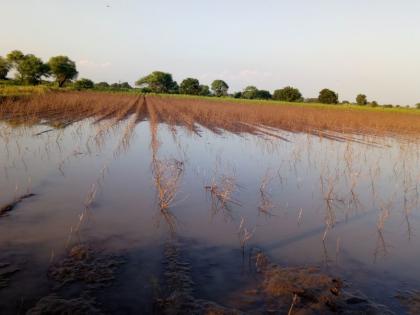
(125, 204)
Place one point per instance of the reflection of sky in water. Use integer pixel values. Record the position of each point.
(60, 168)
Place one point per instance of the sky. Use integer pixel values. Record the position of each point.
(358, 46)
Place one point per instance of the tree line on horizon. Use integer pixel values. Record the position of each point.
(30, 69)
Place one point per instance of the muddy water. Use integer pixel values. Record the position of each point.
(351, 209)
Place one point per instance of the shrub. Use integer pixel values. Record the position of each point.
(288, 94)
(219, 88)
(83, 84)
(190, 86)
(361, 99)
(327, 96)
(159, 82)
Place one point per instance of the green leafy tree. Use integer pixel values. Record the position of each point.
(219, 88)
(237, 95)
(83, 84)
(361, 99)
(287, 94)
(30, 69)
(418, 105)
(250, 92)
(190, 86)
(204, 90)
(263, 95)
(374, 104)
(125, 85)
(63, 69)
(102, 85)
(327, 96)
(5, 67)
(14, 57)
(158, 82)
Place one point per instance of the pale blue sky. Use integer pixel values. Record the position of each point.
(357, 46)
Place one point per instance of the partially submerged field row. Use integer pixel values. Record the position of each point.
(62, 109)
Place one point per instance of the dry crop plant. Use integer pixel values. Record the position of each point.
(221, 195)
(167, 173)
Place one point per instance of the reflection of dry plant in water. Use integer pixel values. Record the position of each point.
(381, 246)
(244, 234)
(221, 194)
(331, 202)
(266, 205)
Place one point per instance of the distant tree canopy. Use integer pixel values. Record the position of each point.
(418, 105)
(288, 94)
(30, 69)
(14, 57)
(327, 96)
(63, 69)
(251, 92)
(83, 84)
(5, 67)
(219, 88)
(190, 86)
(204, 90)
(124, 85)
(361, 99)
(237, 95)
(263, 95)
(374, 104)
(159, 82)
(102, 85)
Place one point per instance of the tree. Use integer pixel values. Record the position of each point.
(102, 85)
(219, 88)
(5, 67)
(250, 92)
(158, 82)
(237, 95)
(418, 105)
(30, 69)
(204, 90)
(190, 86)
(374, 104)
(63, 69)
(361, 99)
(125, 85)
(263, 95)
(83, 84)
(14, 57)
(287, 94)
(327, 96)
